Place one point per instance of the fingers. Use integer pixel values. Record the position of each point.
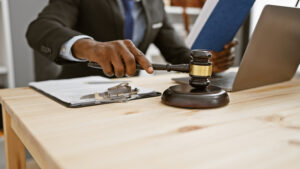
(125, 57)
(225, 66)
(107, 68)
(99, 54)
(119, 57)
(231, 44)
(118, 65)
(218, 55)
(227, 51)
(220, 67)
(139, 56)
(230, 61)
(224, 59)
(129, 60)
(106, 56)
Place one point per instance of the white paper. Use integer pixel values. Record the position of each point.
(71, 90)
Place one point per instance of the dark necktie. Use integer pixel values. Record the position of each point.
(129, 21)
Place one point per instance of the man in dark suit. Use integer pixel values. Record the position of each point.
(76, 31)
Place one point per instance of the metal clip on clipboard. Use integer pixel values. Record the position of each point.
(119, 93)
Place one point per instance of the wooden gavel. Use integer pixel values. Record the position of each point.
(199, 69)
(199, 93)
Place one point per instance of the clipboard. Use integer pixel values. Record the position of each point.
(70, 92)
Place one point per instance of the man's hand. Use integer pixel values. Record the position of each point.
(115, 57)
(223, 60)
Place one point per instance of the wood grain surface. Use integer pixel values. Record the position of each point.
(260, 128)
(14, 148)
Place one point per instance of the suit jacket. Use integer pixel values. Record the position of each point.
(61, 20)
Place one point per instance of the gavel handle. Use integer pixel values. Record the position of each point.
(167, 67)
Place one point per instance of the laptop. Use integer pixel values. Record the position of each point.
(272, 55)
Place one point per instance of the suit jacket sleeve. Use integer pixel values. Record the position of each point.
(53, 28)
(171, 45)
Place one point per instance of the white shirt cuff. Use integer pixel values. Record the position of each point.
(66, 49)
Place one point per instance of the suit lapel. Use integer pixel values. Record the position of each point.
(145, 40)
(118, 18)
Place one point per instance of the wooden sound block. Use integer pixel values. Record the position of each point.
(185, 96)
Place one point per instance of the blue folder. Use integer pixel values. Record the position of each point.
(223, 23)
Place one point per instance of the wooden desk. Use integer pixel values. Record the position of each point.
(259, 129)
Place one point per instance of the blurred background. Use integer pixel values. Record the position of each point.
(21, 13)
(16, 57)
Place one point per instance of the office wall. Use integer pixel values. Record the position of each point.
(22, 12)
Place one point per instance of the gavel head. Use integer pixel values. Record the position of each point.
(200, 68)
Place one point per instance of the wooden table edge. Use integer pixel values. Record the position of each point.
(16, 142)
